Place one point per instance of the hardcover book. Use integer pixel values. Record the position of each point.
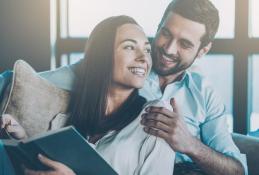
(65, 145)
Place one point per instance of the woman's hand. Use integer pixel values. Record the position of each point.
(11, 126)
(57, 168)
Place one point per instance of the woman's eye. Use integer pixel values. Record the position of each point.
(148, 50)
(129, 47)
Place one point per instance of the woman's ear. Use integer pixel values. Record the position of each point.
(203, 51)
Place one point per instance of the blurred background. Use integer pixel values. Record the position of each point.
(52, 33)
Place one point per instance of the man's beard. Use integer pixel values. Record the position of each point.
(162, 72)
(178, 67)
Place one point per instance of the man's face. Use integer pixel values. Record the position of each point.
(176, 44)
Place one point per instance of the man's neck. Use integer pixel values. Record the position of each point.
(165, 80)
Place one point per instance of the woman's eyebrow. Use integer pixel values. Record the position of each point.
(132, 40)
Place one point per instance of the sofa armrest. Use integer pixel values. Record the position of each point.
(250, 146)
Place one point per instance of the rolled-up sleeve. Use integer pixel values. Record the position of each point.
(214, 131)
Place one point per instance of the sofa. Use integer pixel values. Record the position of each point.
(250, 146)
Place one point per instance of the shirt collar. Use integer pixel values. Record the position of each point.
(153, 78)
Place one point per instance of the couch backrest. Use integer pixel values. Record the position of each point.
(249, 146)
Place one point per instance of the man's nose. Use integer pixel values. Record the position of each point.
(171, 48)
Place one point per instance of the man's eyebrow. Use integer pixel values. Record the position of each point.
(166, 29)
(132, 40)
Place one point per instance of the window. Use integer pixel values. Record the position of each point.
(227, 18)
(87, 14)
(227, 63)
(254, 117)
(254, 18)
(220, 63)
(71, 58)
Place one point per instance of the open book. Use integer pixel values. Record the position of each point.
(65, 145)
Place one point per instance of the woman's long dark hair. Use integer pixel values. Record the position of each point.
(94, 76)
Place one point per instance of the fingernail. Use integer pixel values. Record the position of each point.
(40, 156)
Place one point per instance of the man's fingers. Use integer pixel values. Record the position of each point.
(174, 105)
(156, 132)
(156, 116)
(160, 110)
(155, 124)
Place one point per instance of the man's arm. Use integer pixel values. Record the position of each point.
(213, 162)
(170, 126)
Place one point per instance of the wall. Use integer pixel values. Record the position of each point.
(25, 33)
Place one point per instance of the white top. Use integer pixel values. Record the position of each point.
(131, 151)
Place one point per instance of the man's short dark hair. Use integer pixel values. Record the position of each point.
(201, 11)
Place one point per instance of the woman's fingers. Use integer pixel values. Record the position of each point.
(13, 128)
(32, 172)
(50, 163)
(58, 168)
(5, 120)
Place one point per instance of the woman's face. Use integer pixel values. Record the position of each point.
(132, 60)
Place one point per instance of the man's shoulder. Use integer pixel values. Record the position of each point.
(199, 81)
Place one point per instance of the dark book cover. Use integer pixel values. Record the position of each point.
(65, 145)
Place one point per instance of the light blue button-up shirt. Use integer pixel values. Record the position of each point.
(202, 109)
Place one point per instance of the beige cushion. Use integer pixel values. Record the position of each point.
(32, 100)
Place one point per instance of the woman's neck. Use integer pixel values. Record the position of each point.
(116, 97)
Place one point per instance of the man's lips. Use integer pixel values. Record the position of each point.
(166, 60)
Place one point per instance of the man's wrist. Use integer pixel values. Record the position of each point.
(195, 148)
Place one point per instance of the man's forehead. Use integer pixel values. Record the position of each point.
(184, 26)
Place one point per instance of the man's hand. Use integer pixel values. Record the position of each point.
(57, 168)
(170, 126)
(11, 126)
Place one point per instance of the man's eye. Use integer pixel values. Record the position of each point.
(129, 47)
(165, 32)
(185, 45)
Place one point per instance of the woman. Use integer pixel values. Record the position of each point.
(105, 104)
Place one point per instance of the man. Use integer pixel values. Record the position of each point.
(196, 129)
(198, 133)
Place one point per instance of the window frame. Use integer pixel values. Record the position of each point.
(241, 92)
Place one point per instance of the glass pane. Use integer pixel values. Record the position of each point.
(227, 18)
(210, 66)
(254, 118)
(64, 60)
(254, 18)
(63, 19)
(84, 15)
(75, 57)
